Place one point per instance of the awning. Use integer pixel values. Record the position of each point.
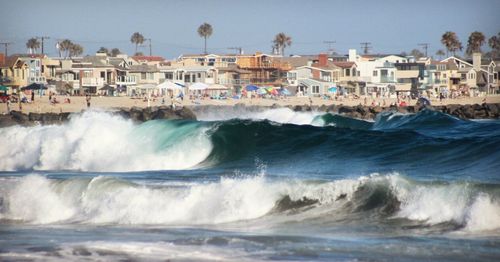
(217, 87)
(251, 88)
(107, 88)
(3, 88)
(198, 86)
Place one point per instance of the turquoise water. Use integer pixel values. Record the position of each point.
(271, 185)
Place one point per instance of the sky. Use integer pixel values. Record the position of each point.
(391, 26)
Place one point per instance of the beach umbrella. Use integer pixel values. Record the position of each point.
(262, 91)
(251, 88)
(332, 89)
(217, 87)
(34, 86)
(285, 92)
(3, 88)
(170, 86)
(198, 86)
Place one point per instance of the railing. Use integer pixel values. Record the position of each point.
(387, 79)
(92, 81)
(125, 80)
(40, 79)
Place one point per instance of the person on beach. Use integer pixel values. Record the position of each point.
(8, 105)
(32, 96)
(88, 100)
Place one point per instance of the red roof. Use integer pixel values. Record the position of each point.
(149, 58)
(344, 64)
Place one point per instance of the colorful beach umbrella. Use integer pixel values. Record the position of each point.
(262, 91)
(285, 92)
(251, 88)
(332, 89)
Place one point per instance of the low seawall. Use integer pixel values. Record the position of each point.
(476, 111)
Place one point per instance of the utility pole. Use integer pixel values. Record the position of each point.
(5, 45)
(240, 49)
(366, 46)
(150, 49)
(42, 38)
(425, 46)
(329, 43)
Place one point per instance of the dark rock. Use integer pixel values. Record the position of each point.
(297, 108)
(35, 117)
(345, 110)
(375, 109)
(186, 113)
(7, 120)
(331, 109)
(19, 116)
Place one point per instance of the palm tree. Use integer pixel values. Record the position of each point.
(115, 52)
(205, 30)
(494, 42)
(33, 44)
(416, 53)
(476, 40)
(103, 50)
(440, 53)
(281, 41)
(451, 42)
(65, 46)
(75, 50)
(137, 39)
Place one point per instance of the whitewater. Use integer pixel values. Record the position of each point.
(242, 185)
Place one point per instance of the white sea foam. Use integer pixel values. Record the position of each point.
(97, 141)
(107, 200)
(278, 115)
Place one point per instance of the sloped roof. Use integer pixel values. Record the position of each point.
(143, 68)
(344, 64)
(10, 61)
(148, 58)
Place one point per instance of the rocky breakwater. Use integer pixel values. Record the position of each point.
(135, 113)
(476, 111)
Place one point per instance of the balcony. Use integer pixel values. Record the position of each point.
(126, 80)
(387, 79)
(92, 81)
(38, 80)
(407, 73)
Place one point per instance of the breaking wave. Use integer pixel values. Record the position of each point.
(463, 206)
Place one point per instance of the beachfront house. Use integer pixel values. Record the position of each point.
(476, 76)
(376, 73)
(408, 77)
(14, 71)
(265, 70)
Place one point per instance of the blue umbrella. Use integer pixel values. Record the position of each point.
(285, 92)
(332, 89)
(251, 88)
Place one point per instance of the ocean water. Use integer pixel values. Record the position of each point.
(252, 186)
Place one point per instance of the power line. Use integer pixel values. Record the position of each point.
(330, 43)
(366, 46)
(239, 48)
(425, 46)
(6, 45)
(42, 38)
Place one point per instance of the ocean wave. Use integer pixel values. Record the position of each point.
(466, 206)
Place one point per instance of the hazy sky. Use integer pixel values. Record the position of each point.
(391, 26)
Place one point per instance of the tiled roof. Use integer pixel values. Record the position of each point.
(344, 64)
(10, 61)
(149, 58)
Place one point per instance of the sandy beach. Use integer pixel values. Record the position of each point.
(78, 103)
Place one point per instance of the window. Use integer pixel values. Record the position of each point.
(169, 76)
(143, 75)
(348, 72)
(187, 78)
(315, 89)
(374, 72)
(199, 75)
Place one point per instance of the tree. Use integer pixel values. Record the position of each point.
(416, 53)
(451, 42)
(137, 39)
(115, 52)
(75, 50)
(139, 54)
(205, 30)
(33, 45)
(103, 50)
(476, 40)
(65, 46)
(440, 53)
(281, 41)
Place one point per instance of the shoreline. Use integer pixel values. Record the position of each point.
(142, 114)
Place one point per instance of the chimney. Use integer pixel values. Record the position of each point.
(352, 55)
(476, 61)
(322, 59)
